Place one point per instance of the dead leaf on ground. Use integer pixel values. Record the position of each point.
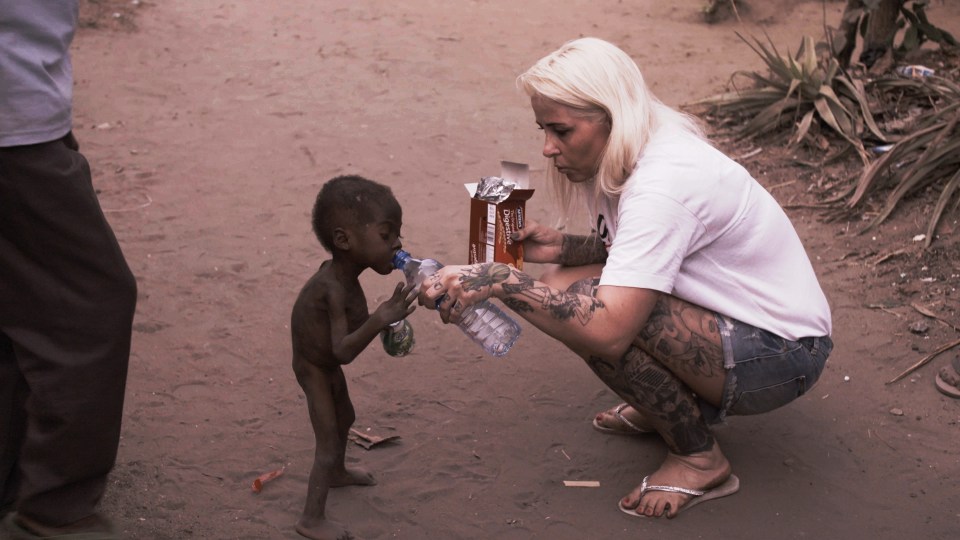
(923, 310)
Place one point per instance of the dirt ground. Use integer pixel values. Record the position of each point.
(210, 126)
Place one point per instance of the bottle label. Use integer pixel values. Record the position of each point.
(397, 338)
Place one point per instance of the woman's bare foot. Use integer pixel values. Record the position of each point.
(351, 477)
(323, 529)
(623, 420)
(700, 471)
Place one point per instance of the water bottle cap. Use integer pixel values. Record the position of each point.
(400, 259)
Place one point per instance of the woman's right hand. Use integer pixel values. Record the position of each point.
(541, 244)
(452, 289)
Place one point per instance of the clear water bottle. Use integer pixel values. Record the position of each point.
(484, 322)
(397, 338)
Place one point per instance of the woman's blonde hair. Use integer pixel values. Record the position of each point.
(597, 79)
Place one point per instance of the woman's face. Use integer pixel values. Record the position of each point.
(573, 140)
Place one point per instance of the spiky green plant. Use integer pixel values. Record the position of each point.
(929, 155)
(797, 90)
(810, 87)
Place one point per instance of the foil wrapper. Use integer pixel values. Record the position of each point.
(494, 189)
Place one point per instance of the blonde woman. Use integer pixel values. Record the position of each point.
(693, 298)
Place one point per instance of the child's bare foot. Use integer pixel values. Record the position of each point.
(700, 471)
(323, 529)
(351, 477)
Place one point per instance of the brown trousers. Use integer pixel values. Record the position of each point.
(67, 299)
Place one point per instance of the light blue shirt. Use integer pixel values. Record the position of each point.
(36, 77)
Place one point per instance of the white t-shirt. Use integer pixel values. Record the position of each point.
(36, 77)
(693, 223)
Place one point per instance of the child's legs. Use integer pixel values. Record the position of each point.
(345, 417)
(318, 387)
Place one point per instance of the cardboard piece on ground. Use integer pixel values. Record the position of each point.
(368, 441)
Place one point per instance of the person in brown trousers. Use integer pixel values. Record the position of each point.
(67, 296)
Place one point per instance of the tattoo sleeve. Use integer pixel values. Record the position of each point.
(526, 296)
(660, 396)
(476, 278)
(578, 250)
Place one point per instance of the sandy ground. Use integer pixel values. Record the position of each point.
(211, 126)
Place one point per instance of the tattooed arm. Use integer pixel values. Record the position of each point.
(602, 325)
(582, 250)
(547, 245)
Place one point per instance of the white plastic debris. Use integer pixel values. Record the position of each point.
(915, 71)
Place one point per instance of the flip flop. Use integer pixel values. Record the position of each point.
(19, 532)
(950, 386)
(629, 427)
(729, 486)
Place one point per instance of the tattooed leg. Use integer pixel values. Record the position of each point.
(694, 460)
(685, 339)
(677, 353)
(665, 402)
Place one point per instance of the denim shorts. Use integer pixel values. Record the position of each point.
(764, 370)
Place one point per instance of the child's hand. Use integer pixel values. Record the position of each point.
(398, 306)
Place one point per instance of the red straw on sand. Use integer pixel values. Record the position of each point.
(264, 478)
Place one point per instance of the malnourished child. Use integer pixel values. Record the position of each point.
(358, 221)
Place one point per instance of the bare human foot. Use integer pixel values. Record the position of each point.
(351, 477)
(323, 529)
(700, 471)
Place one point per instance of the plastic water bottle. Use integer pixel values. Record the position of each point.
(484, 322)
(397, 338)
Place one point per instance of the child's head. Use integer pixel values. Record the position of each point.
(351, 201)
